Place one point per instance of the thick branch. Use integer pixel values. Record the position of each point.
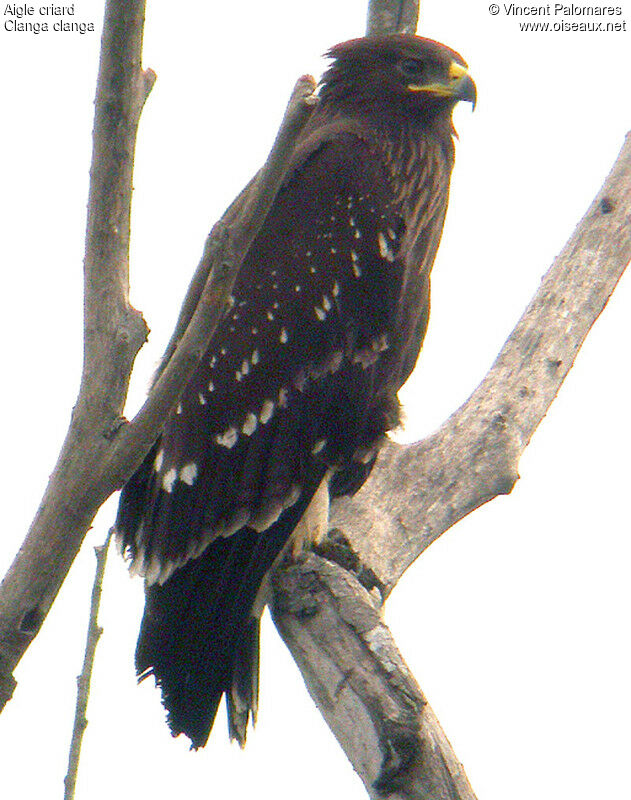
(417, 492)
(113, 334)
(362, 686)
(100, 452)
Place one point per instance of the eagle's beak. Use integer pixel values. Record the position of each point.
(458, 85)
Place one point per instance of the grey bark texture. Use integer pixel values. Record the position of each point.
(326, 605)
(102, 449)
(326, 609)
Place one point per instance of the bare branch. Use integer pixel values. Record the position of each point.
(83, 680)
(415, 493)
(100, 450)
(114, 332)
(392, 16)
(362, 686)
(418, 491)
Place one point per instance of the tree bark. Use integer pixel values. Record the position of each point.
(326, 610)
(101, 449)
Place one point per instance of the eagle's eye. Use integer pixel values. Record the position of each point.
(412, 67)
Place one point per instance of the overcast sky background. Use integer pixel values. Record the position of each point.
(515, 622)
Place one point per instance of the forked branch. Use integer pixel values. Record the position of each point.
(415, 493)
(101, 449)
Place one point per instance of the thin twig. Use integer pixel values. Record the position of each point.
(83, 680)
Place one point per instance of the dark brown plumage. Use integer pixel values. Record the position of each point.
(299, 384)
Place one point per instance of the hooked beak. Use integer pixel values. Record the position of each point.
(459, 85)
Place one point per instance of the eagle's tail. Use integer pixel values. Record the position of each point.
(199, 637)
(199, 640)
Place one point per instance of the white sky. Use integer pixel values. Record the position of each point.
(516, 622)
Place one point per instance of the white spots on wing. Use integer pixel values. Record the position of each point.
(328, 365)
(270, 316)
(274, 286)
(369, 355)
(228, 438)
(168, 480)
(357, 234)
(188, 473)
(312, 270)
(283, 336)
(245, 370)
(231, 301)
(254, 330)
(335, 291)
(255, 357)
(357, 271)
(159, 460)
(274, 273)
(275, 304)
(352, 222)
(384, 247)
(333, 250)
(380, 343)
(282, 398)
(267, 410)
(223, 351)
(318, 447)
(322, 312)
(297, 287)
(211, 386)
(250, 424)
(392, 234)
(178, 408)
(307, 253)
(212, 362)
(202, 399)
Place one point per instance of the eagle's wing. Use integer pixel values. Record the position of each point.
(291, 381)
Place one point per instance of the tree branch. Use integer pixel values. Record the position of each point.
(362, 686)
(100, 450)
(113, 334)
(417, 492)
(83, 680)
(392, 16)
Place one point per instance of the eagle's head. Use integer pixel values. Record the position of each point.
(402, 74)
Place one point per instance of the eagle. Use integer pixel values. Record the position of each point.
(298, 387)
